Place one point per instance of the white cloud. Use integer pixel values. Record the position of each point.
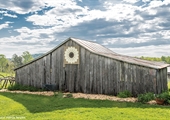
(9, 15)
(129, 23)
(151, 51)
(65, 14)
(131, 1)
(5, 25)
(22, 6)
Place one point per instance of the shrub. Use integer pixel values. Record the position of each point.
(164, 96)
(23, 88)
(144, 98)
(124, 94)
(69, 95)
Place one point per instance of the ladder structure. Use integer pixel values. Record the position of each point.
(4, 80)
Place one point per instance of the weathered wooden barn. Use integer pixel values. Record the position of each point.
(83, 66)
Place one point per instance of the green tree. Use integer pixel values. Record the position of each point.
(3, 63)
(17, 60)
(27, 57)
(10, 67)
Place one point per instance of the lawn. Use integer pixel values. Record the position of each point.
(26, 106)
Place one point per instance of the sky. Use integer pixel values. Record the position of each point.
(129, 27)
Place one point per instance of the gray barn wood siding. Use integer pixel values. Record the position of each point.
(95, 74)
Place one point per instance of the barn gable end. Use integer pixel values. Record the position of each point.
(100, 71)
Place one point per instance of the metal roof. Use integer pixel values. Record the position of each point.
(103, 51)
(93, 47)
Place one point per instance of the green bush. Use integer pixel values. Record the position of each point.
(164, 96)
(69, 95)
(124, 94)
(23, 88)
(144, 98)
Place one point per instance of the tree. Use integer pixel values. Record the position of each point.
(3, 63)
(17, 60)
(10, 67)
(27, 57)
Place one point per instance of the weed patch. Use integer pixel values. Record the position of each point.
(124, 94)
(23, 88)
(144, 98)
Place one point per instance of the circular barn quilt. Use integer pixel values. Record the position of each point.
(71, 55)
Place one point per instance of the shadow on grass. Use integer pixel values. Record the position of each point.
(39, 103)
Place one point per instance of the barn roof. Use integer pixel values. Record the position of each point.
(103, 51)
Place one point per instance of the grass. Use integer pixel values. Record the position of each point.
(2, 82)
(6, 74)
(23, 88)
(28, 106)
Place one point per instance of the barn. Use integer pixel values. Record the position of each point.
(87, 67)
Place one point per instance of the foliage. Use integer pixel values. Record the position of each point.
(69, 95)
(27, 57)
(124, 94)
(52, 108)
(6, 74)
(163, 58)
(23, 59)
(7, 65)
(3, 63)
(23, 88)
(17, 60)
(164, 96)
(144, 98)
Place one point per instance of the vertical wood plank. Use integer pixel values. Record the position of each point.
(100, 74)
(48, 69)
(91, 73)
(97, 76)
(109, 77)
(82, 70)
(87, 60)
(103, 75)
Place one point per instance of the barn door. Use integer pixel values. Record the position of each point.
(71, 61)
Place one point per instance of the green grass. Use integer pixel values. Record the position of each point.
(6, 74)
(57, 108)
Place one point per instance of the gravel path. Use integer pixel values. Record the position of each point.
(83, 95)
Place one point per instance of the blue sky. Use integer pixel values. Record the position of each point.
(129, 27)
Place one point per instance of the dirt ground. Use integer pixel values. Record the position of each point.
(83, 95)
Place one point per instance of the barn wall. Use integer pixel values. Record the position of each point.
(162, 80)
(95, 74)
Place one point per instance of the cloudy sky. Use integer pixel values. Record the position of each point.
(129, 27)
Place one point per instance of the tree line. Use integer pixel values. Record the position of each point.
(163, 58)
(7, 65)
